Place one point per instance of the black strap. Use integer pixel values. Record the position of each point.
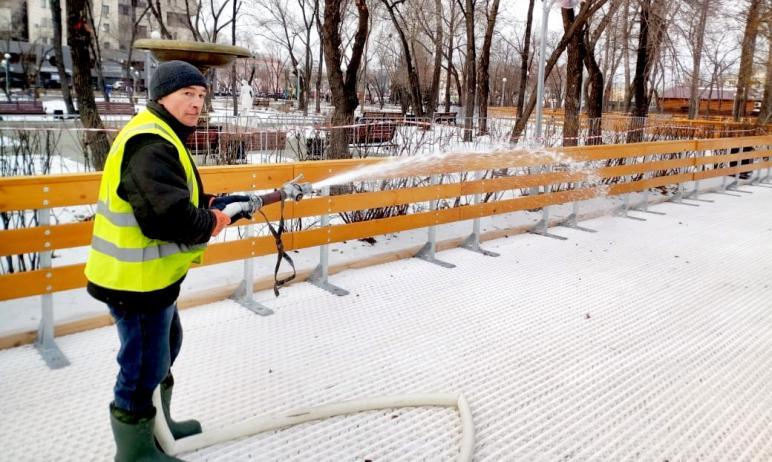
(280, 253)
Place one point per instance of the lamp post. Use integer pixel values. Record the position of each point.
(503, 89)
(6, 64)
(547, 4)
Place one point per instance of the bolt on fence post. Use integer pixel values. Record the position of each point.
(244, 294)
(472, 242)
(428, 251)
(319, 275)
(45, 343)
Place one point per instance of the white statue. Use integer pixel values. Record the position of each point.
(245, 99)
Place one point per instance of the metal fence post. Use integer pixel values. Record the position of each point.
(45, 342)
(695, 193)
(244, 294)
(622, 210)
(572, 222)
(428, 251)
(643, 206)
(319, 275)
(542, 226)
(472, 242)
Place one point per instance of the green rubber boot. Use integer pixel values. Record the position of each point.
(179, 429)
(134, 441)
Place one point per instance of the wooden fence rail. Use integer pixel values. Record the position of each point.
(612, 170)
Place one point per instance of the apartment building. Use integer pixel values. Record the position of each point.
(112, 21)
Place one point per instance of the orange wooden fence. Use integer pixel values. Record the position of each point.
(626, 168)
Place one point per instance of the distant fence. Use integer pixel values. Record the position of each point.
(433, 191)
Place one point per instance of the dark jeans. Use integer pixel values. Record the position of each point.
(150, 342)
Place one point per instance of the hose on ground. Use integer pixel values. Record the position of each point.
(271, 422)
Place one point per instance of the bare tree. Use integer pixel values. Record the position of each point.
(697, 36)
(64, 82)
(342, 86)
(588, 8)
(524, 60)
(576, 52)
(414, 83)
(649, 33)
(765, 112)
(752, 21)
(483, 76)
(79, 38)
(595, 91)
(470, 73)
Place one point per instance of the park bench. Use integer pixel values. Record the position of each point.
(368, 116)
(444, 117)
(261, 102)
(115, 108)
(373, 133)
(203, 140)
(22, 107)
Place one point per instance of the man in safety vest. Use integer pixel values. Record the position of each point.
(153, 221)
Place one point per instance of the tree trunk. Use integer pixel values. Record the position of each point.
(650, 30)
(434, 93)
(470, 71)
(483, 76)
(524, 58)
(412, 73)
(746, 59)
(78, 38)
(448, 74)
(699, 39)
(765, 113)
(56, 20)
(321, 59)
(627, 28)
(588, 8)
(343, 88)
(574, 70)
(96, 52)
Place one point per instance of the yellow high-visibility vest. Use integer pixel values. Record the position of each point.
(121, 257)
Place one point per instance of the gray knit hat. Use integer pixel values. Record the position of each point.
(170, 76)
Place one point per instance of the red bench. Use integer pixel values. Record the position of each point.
(203, 140)
(373, 133)
(22, 107)
(113, 108)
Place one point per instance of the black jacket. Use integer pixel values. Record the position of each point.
(153, 182)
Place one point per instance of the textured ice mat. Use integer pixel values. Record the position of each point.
(646, 341)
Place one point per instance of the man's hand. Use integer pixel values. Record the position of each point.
(220, 202)
(221, 220)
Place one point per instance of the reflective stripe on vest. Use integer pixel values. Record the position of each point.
(143, 254)
(121, 256)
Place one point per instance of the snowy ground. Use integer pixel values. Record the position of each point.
(648, 340)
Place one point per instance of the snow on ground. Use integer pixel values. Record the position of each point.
(648, 340)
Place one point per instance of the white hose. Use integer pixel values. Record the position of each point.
(276, 421)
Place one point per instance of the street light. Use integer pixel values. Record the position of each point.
(567, 4)
(503, 89)
(6, 64)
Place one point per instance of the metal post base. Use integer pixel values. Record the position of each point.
(724, 193)
(240, 297)
(761, 185)
(570, 222)
(681, 202)
(542, 230)
(51, 354)
(622, 213)
(427, 254)
(316, 278)
(646, 210)
(473, 243)
(692, 196)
